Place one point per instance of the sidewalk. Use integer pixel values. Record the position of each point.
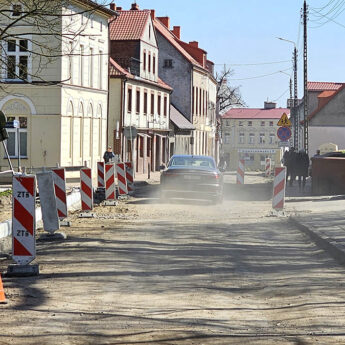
(142, 179)
(323, 221)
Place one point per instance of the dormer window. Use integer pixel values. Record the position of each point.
(168, 63)
(16, 10)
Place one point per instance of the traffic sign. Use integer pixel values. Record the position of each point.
(130, 132)
(284, 121)
(284, 133)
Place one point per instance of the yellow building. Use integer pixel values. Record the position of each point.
(56, 86)
(251, 134)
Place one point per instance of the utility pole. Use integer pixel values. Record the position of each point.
(295, 101)
(305, 59)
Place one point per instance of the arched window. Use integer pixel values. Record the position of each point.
(90, 110)
(70, 109)
(81, 109)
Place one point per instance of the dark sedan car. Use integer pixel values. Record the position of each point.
(192, 177)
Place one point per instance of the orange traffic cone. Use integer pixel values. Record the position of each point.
(2, 293)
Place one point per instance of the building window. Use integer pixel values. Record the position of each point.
(165, 106)
(271, 123)
(17, 51)
(149, 62)
(81, 65)
(227, 138)
(154, 64)
(145, 102)
(241, 141)
(227, 123)
(137, 108)
(144, 63)
(262, 123)
(200, 102)
(100, 76)
(240, 123)
(250, 123)
(152, 103)
(91, 67)
(101, 26)
(70, 63)
(262, 138)
(168, 63)
(129, 100)
(272, 138)
(159, 102)
(12, 141)
(16, 10)
(251, 138)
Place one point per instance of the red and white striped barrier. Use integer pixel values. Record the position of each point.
(100, 174)
(268, 167)
(23, 219)
(240, 172)
(121, 178)
(279, 188)
(86, 189)
(110, 181)
(60, 192)
(129, 176)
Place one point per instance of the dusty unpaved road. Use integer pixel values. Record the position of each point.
(179, 273)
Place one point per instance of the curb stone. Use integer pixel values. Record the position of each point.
(335, 252)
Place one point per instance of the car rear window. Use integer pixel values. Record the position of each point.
(192, 162)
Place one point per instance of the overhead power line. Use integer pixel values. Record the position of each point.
(260, 76)
(253, 64)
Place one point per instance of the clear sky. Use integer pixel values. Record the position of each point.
(236, 33)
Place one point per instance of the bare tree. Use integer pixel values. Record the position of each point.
(228, 96)
(44, 30)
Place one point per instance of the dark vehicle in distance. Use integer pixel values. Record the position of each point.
(192, 177)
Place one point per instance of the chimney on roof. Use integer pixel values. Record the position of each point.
(177, 31)
(135, 7)
(119, 8)
(194, 44)
(153, 14)
(270, 105)
(113, 6)
(165, 21)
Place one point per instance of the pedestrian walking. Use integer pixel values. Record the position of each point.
(289, 161)
(302, 168)
(108, 155)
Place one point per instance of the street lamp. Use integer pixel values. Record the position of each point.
(295, 116)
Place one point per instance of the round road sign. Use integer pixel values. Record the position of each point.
(284, 133)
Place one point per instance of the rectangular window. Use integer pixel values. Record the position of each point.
(262, 123)
(262, 138)
(149, 62)
(250, 123)
(12, 142)
(70, 63)
(196, 101)
(241, 138)
(168, 63)
(200, 103)
(23, 67)
(145, 102)
(11, 67)
(240, 123)
(100, 69)
(152, 103)
(17, 59)
(23, 45)
(227, 123)
(129, 100)
(91, 67)
(154, 64)
(193, 101)
(144, 63)
(272, 138)
(81, 65)
(11, 45)
(137, 108)
(251, 138)
(159, 102)
(227, 138)
(271, 123)
(16, 10)
(165, 106)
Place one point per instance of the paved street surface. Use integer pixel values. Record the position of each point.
(181, 273)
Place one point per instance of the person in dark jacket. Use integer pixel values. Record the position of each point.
(289, 161)
(108, 155)
(302, 168)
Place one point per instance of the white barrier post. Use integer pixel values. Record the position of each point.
(240, 172)
(279, 189)
(86, 193)
(110, 191)
(268, 167)
(100, 174)
(121, 178)
(23, 226)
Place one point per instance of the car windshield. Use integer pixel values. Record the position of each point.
(192, 162)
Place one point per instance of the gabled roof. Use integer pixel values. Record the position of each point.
(179, 120)
(328, 96)
(130, 25)
(116, 71)
(97, 7)
(323, 86)
(173, 40)
(253, 113)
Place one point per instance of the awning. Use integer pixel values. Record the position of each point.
(179, 120)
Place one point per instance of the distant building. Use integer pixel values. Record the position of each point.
(251, 134)
(138, 97)
(60, 101)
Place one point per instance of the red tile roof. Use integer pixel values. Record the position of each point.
(172, 39)
(116, 71)
(252, 113)
(130, 25)
(323, 86)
